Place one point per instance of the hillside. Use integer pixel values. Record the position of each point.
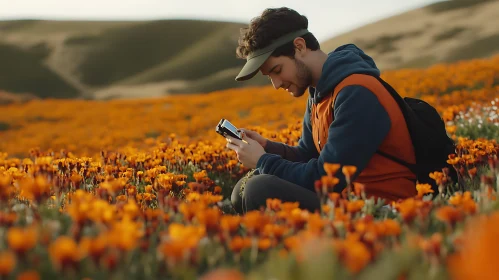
(106, 59)
(110, 59)
(443, 32)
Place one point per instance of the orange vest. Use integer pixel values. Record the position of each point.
(382, 177)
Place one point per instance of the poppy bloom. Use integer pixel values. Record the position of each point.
(423, 189)
(331, 168)
(21, 240)
(64, 252)
(7, 262)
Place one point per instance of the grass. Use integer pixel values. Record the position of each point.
(449, 33)
(210, 54)
(480, 48)
(420, 62)
(121, 53)
(26, 73)
(220, 81)
(15, 25)
(385, 43)
(450, 5)
(4, 126)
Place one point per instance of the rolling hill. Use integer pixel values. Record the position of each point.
(110, 59)
(443, 32)
(118, 59)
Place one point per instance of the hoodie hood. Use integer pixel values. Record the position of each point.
(341, 63)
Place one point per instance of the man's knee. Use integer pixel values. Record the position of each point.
(257, 190)
(237, 192)
(236, 198)
(253, 190)
(257, 185)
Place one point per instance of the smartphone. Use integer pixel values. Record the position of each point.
(225, 128)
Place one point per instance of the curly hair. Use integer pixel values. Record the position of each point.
(270, 25)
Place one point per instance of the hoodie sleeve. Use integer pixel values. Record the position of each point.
(360, 125)
(305, 150)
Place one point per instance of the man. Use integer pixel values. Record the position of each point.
(349, 117)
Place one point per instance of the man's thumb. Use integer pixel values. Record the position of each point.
(245, 137)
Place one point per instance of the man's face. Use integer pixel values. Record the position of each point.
(290, 74)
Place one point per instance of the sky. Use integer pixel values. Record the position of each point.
(327, 18)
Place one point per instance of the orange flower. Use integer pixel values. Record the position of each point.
(273, 204)
(453, 160)
(28, 275)
(275, 231)
(334, 197)
(239, 243)
(7, 262)
(478, 243)
(94, 247)
(331, 168)
(451, 129)
(439, 177)
(330, 182)
(464, 202)
(255, 221)
(6, 188)
(230, 223)
(36, 189)
(7, 219)
(359, 188)
(76, 179)
(449, 214)
(349, 170)
(390, 228)
(210, 218)
(175, 251)
(125, 234)
(21, 240)
(353, 253)
(291, 242)
(472, 172)
(423, 189)
(355, 206)
(64, 252)
(264, 244)
(432, 245)
(408, 209)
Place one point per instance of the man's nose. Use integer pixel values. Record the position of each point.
(276, 83)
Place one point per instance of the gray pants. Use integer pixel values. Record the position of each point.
(259, 187)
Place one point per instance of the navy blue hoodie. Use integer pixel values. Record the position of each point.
(360, 125)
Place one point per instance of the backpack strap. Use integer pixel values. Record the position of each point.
(354, 80)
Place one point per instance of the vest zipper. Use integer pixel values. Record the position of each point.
(318, 128)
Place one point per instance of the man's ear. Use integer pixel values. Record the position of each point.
(300, 45)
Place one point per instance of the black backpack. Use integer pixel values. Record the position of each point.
(429, 137)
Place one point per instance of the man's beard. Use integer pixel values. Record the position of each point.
(304, 78)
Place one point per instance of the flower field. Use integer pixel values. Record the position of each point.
(138, 189)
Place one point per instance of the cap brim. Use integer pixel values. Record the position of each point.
(252, 66)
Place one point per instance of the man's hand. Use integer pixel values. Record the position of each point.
(248, 151)
(255, 136)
